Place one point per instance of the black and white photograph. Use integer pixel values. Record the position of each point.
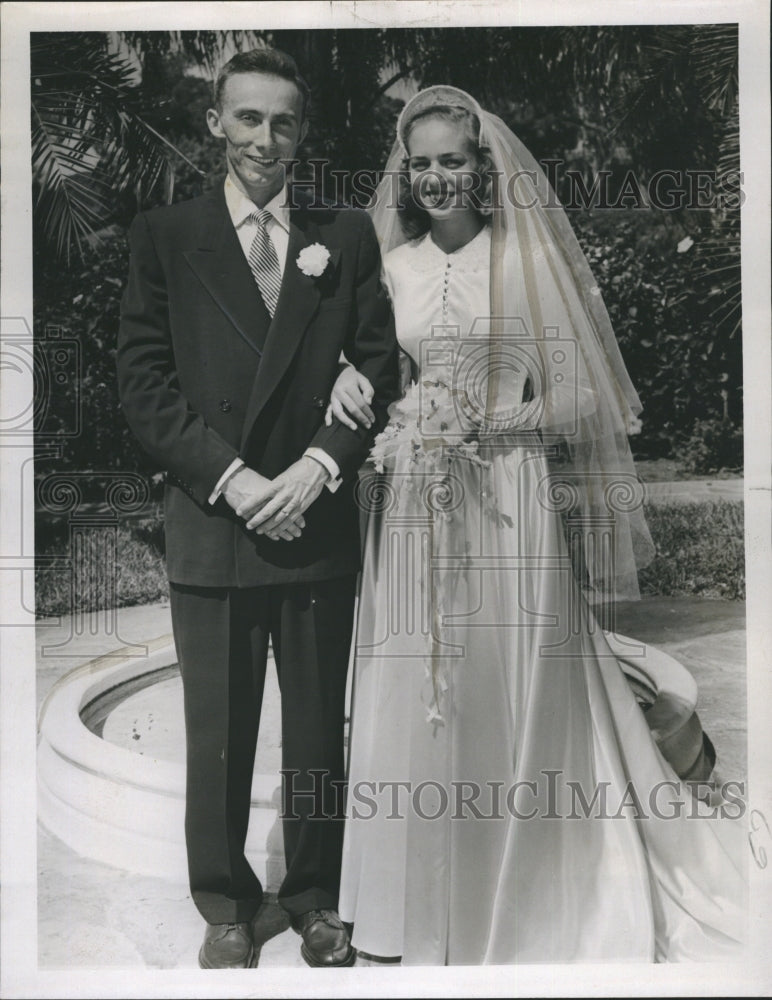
(386, 445)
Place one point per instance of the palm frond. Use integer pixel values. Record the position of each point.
(90, 147)
(201, 48)
(70, 201)
(715, 59)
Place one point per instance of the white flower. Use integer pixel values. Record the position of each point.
(634, 425)
(313, 260)
(686, 244)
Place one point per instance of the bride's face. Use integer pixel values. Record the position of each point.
(444, 168)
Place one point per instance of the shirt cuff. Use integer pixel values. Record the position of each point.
(235, 465)
(330, 465)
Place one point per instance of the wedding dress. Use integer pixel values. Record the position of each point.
(507, 801)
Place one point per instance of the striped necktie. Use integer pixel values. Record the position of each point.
(264, 262)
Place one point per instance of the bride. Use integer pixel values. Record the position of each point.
(507, 802)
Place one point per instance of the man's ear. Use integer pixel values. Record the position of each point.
(303, 131)
(213, 121)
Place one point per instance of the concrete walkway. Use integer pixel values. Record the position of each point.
(695, 490)
(94, 916)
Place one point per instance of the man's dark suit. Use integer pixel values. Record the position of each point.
(206, 376)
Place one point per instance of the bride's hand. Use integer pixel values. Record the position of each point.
(351, 394)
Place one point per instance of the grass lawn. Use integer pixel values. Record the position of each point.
(699, 553)
(700, 550)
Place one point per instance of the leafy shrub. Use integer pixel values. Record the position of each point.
(714, 445)
(84, 304)
(140, 574)
(685, 367)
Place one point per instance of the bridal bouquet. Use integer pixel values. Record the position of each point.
(428, 422)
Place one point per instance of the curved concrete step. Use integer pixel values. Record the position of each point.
(127, 809)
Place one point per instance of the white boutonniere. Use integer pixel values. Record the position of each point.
(313, 260)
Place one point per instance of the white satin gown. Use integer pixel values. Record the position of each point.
(488, 707)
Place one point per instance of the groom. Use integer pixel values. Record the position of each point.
(237, 308)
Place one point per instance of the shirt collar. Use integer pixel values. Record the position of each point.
(240, 207)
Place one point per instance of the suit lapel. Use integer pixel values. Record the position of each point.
(220, 265)
(298, 299)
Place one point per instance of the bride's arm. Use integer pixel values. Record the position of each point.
(351, 397)
(353, 392)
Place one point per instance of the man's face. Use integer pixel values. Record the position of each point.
(261, 120)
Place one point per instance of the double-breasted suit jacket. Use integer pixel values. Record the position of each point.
(207, 376)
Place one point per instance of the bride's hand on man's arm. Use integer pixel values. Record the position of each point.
(351, 397)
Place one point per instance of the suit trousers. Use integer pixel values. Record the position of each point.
(222, 636)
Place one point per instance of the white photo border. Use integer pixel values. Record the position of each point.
(21, 976)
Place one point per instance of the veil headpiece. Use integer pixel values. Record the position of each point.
(547, 315)
(431, 98)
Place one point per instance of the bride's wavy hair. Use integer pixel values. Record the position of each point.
(414, 219)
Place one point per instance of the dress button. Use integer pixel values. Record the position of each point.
(318, 402)
(226, 406)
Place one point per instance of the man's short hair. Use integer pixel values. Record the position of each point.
(271, 62)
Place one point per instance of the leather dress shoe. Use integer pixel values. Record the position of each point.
(325, 939)
(228, 946)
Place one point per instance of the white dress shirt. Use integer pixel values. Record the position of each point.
(240, 209)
